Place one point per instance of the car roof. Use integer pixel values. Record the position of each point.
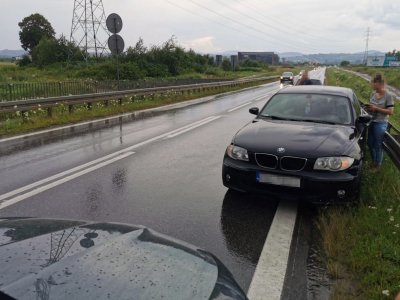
(317, 89)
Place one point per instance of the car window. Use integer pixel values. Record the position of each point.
(287, 74)
(309, 107)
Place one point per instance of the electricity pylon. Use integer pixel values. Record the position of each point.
(88, 29)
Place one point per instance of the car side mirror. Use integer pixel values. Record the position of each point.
(364, 119)
(254, 110)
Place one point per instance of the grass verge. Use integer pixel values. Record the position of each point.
(391, 76)
(12, 124)
(361, 87)
(362, 243)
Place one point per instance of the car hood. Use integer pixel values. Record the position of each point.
(63, 259)
(299, 139)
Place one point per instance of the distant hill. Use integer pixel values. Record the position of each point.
(332, 58)
(11, 53)
(289, 54)
(322, 58)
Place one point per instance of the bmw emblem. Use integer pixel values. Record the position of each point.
(281, 150)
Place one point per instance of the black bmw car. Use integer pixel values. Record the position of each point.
(306, 142)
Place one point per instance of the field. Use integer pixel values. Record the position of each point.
(11, 73)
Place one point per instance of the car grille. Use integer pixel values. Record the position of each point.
(267, 160)
(289, 163)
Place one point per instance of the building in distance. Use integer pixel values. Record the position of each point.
(269, 58)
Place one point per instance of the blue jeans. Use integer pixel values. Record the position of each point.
(376, 133)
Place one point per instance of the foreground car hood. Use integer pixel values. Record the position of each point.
(61, 259)
(298, 138)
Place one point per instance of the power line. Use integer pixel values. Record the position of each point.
(279, 29)
(232, 20)
(243, 24)
(210, 19)
(303, 26)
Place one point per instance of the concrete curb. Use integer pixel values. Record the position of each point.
(68, 130)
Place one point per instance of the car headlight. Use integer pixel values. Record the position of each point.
(281, 77)
(291, 77)
(333, 163)
(238, 153)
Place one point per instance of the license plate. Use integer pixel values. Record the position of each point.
(278, 180)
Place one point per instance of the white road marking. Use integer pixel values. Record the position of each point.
(59, 175)
(263, 97)
(193, 127)
(268, 279)
(63, 180)
(106, 157)
(240, 106)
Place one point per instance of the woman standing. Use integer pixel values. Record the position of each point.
(380, 106)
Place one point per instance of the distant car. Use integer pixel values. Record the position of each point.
(307, 142)
(287, 77)
(63, 259)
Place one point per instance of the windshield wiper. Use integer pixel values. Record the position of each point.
(319, 121)
(277, 118)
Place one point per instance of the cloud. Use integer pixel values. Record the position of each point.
(202, 44)
(387, 14)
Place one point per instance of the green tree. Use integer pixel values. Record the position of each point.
(50, 50)
(344, 63)
(33, 29)
(226, 64)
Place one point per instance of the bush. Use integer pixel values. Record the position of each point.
(50, 51)
(26, 60)
(226, 65)
(131, 71)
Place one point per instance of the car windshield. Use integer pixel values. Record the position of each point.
(317, 108)
(287, 74)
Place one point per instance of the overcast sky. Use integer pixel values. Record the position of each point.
(214, 26)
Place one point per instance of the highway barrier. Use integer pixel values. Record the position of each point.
(49, 102)
(391, 144)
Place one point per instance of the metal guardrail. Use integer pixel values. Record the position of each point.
(391, 144)
(25, 105)
(23, 91)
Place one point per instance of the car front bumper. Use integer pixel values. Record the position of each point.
(316, 187)
(287, 80)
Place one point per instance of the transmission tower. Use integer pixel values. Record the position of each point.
(88, 30)
(366, 45)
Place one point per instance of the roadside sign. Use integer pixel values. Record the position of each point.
(114, 23)
(116, 44)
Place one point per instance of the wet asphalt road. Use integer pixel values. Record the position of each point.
(172, 184)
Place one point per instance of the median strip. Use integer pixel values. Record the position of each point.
(208, 120)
